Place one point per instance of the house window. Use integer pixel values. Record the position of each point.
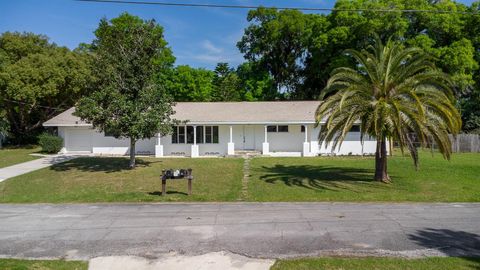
(215, 134)
(211, 134)
(186, 134)
(277, 128)
(175, 135)
(190, 134)
(181, 134)
(271, 128)
(355, 128)
(302, 129)
(199, 134)
(282, 128)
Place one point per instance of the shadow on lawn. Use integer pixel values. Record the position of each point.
(451, 243)
(159, 193)
(315, 177)
(99, 164)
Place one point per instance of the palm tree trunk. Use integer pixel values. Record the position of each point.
(381, 162)
(132, 153)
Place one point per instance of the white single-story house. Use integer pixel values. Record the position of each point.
(276, 128)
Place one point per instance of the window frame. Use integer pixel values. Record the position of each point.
(184, 134)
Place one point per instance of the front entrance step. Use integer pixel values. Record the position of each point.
(247, 153)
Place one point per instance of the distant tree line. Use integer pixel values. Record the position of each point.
(289, 55)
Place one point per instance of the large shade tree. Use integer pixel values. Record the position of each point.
(393, 92)
(129, 56)
(38, 79)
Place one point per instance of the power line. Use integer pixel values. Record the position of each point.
(279, 8)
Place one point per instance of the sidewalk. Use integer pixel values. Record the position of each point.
(30, 166)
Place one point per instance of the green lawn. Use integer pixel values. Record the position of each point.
(13, 264)
(272, 179)
(350, 179)
(110, 180)
(14, 155)
(377, 264)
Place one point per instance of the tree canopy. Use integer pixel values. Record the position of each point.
(38, 80)
(129, 55)
(301, 50)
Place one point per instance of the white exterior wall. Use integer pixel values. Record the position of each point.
(88, 140)
(84, 139)
(291, 141)
(350, 146)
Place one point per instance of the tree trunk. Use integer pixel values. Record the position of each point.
(132, 153)
(381, 161)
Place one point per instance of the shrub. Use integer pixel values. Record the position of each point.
(50, 143)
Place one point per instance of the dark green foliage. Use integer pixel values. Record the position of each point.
(300, 50)
(256, 83)
(50, 143)
(185, 83)
(38, 80)
(226, 84)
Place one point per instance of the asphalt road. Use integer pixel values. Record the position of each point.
(262, 230)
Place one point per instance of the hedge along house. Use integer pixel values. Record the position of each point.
(219, 129)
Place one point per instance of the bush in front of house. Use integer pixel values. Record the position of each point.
(50, 143)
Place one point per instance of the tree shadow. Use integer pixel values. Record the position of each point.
(316, 177)
(159, 193)
(100, 164)
(451, 243)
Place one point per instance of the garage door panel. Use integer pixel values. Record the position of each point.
(79, 140)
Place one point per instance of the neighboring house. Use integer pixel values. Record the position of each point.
(219, 129)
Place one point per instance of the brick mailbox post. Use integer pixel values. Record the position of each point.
(176, 175)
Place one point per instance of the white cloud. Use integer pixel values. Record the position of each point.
(211, 48)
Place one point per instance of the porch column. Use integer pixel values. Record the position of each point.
(265, 145)
(231, 145)
(159, 146)
(306, 144)
(195, 150)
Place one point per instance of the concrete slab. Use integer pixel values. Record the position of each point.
(209, 261)
(30, 166)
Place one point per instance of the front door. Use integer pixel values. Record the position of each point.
(248, 137)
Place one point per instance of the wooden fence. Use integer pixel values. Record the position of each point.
(466, 143)
(460, 143)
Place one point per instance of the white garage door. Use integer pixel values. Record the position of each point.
(79, 140)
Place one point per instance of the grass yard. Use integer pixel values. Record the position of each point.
(13, 155)
(272, 179)
(350, 179)
(377, 264)
(13, 264)
(109, 180)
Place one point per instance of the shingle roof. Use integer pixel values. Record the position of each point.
(268, 112)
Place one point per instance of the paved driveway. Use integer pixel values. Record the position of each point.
(30, 166)
(262, 230)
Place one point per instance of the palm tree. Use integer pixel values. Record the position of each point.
(392, 92)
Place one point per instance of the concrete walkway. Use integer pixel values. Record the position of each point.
(30, 166)
(255, 230)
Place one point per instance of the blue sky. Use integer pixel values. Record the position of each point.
(199, 37)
